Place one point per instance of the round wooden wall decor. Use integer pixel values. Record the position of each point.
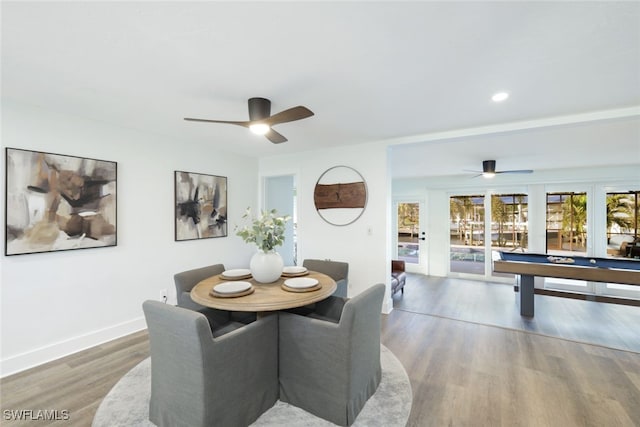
(340, 195)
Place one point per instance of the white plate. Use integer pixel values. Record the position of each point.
(301, 282)
(294, 269)
(232, 287)
(238, 272)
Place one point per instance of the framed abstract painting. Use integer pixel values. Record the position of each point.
(200, 206)
(56, 202)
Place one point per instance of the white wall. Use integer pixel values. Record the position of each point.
(366, 253)
(53, 304)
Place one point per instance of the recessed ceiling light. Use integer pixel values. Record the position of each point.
(499, 97)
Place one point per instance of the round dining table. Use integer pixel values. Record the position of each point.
(265, 296)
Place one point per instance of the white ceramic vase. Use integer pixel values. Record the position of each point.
(266, 267)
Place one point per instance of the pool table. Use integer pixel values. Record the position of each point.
(593, 269)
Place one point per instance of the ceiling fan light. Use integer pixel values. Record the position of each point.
(259, 128)
(488, 175)
(500, 96)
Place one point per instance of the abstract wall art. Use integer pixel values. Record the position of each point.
(200, 206)
(340, 195)
(56, 202)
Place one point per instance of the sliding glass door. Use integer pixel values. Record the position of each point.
(567, 223)
(566, 235)
(509, 224)
(467, 234)
(480, 226)
(571, 223)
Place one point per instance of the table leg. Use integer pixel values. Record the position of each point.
(526, 295)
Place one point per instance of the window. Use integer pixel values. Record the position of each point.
(408, 229)
(509, 215)
(566, 222)
(622, 224)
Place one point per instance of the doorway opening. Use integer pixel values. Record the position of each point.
(280, 194)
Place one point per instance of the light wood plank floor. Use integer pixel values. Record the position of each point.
(463, 372)
(76, 383)
(610, 325)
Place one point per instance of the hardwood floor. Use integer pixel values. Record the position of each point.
(468, 374)
(75, 384)
(463, 372)
(610, 325)
(521, 372)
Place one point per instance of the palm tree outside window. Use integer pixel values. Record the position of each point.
(567, 222)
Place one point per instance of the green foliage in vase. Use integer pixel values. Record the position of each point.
(266, 231)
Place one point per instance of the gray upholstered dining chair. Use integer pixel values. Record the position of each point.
(186, 280)
(199, 380)
(338, 271)
(330, 361)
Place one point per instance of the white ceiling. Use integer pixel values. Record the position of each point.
(405, 72)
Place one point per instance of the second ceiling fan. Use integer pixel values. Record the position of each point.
(261, 121)
(489, 169)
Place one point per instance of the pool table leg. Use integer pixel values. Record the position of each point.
(526, 295)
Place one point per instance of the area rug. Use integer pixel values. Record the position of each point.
(127, 404)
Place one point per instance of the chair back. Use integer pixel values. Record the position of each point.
(199, 380)
(364, 312)
(186, 280)
(329, 369)
(337, 270)
(176, 340)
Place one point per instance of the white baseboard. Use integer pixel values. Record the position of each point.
(38, 356)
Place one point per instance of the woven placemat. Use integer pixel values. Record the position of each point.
(311, 289)
(232, 295)
(304, 273)
(246, 276)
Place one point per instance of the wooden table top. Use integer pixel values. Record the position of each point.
(266, 297)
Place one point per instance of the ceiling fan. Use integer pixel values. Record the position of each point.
(261, 121)
(489, 169)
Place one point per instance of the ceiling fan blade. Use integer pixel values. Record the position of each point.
(517, 171)
(275, 137)
(259, 109)
(230, 122)
(290, 115)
